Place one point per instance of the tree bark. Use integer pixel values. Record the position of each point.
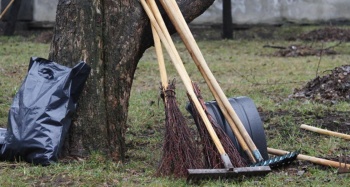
(111, 36)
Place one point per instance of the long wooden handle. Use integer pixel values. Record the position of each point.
(169, 46)
(237, 126)
(160, 58)
(326, 132)
(312, 159)
(164, 35)
(7, 7)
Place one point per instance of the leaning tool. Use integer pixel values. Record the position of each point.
(170, 47)
(187, 82)
(179, 147)
(226, 143)
(240, 132)
(237, 127)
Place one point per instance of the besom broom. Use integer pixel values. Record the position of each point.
(179, 149)
(238, 129)
(212, 158)
(229, 170)
(230, 115)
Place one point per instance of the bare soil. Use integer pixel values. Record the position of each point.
(301, 50)
(327, 34)
(332, 87)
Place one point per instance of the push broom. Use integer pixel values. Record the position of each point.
(229, 170)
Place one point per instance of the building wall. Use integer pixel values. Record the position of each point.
(243, 11)
(44, 10)
(278, 11)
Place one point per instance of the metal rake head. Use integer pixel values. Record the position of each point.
(343, 167)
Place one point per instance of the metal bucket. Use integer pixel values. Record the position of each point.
(248, 114)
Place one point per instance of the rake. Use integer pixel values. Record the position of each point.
(234, 121)
(238, 129)
(229, 169)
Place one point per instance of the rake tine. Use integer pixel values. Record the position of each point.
(343, 167)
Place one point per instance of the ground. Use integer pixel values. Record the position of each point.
(327, 89)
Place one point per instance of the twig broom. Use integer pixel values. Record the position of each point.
(211, 156)
(179, 149)
(166, 39)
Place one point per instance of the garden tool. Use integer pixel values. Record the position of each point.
(326, 132)
(177, 19)
(180, 151)
(238, 129)
(168, 44)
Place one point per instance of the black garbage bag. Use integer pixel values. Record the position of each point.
(41, 111)
(2, 136)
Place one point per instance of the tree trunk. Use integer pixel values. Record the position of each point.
(111, 36)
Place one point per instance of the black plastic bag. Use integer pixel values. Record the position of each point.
(42, 110)
(2, 136)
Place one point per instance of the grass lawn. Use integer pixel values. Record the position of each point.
(243, 67)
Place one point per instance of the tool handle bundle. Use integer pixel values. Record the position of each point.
(159, 26)
(182, 28)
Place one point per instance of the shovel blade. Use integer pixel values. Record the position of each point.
(202, 174)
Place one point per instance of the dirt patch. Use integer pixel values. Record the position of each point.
(44, 37)
(32, 35)
(331, 120)
(330, 88)
(337, 121)
(300, 50)
(327, 34)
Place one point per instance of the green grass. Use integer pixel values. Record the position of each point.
(241, 66)
(15, 53)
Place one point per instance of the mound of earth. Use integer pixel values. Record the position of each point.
(300, 50)
(327, 34)
(332, 87)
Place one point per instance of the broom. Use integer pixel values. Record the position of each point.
(162, 31)
(179, 149)
(212, 158)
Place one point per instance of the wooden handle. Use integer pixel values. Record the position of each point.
(312, 159)
(169, 46)
(237, 126)
(326, 132)
(160, 58)
(7, 7)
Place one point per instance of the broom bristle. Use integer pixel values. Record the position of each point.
(212, 157)
(179, 149)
